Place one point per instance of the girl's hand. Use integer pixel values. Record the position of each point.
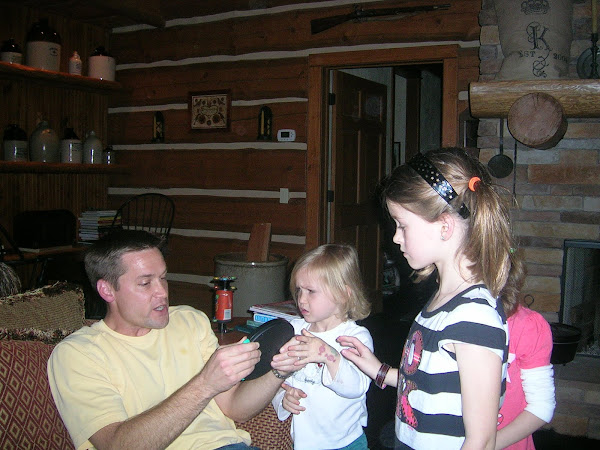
(312, 349)
(291, 399)
(359, 354)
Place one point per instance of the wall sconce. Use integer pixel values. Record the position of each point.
(265, 122)
(158, 128)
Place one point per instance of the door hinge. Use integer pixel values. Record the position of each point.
(329, 196)
(331, 99)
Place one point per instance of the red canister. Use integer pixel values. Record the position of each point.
(223, 300)
(224, 305)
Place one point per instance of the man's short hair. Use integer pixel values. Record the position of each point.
(103, 258)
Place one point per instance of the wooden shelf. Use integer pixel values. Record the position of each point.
(40, 167)
(60, 79)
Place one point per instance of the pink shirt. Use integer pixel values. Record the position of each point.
(529, 346)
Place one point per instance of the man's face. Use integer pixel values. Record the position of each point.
(142, 301)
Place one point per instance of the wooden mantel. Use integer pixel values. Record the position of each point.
(579, 98)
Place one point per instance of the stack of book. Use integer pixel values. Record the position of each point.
(94, 224)
(269, 311)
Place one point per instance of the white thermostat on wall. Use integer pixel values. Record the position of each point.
(286, 135)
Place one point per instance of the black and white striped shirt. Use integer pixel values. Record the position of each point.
(429, 409)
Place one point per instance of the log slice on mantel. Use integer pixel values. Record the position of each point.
(537, 120)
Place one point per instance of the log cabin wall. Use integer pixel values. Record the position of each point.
(557, 189)
(224, 181)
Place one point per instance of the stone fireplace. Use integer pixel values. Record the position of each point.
(556, 190)
(580, 305)
(556, 194)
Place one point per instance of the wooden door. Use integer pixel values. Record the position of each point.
(357, 165)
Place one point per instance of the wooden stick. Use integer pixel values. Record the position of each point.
(259, 243)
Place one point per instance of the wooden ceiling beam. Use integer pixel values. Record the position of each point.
(140, 11)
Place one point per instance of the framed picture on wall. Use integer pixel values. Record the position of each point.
(210, 110)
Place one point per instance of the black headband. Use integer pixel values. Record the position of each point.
(437, 181)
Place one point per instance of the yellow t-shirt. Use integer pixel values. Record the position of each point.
(99, 377)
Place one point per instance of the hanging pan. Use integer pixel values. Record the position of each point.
(501, 166)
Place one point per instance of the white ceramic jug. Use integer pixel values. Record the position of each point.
(92, 149)
(43, 144)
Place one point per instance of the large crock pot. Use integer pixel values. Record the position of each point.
(565, 339)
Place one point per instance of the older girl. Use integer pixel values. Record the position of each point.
(450, 221)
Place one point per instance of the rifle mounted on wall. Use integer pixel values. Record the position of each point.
(359, 14)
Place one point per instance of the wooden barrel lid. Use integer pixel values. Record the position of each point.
(537, 120)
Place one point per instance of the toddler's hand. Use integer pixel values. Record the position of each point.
(312, 350)
(291, 399)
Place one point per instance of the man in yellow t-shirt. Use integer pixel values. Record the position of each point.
(149, 375)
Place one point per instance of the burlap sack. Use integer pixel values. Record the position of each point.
(535, 36)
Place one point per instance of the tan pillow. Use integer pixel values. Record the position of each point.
(58, 308)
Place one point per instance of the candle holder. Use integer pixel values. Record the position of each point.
(587, 63)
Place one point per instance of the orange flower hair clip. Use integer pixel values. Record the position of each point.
(473, 182)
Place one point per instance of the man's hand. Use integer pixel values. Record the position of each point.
(229, 364)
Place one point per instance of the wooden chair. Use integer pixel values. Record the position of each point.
(8, 247)
(31, 269)
(152, 212)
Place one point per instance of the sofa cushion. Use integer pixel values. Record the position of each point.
(49, 313)
(268, 432)
(28, 417)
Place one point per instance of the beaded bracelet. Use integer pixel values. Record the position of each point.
(279, 375)
(379, 380)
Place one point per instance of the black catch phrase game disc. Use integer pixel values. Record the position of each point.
(271, 336)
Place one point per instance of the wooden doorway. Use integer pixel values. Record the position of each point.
(357, 163)
(320, 69)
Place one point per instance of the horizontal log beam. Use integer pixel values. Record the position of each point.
(214, 169)
(290, 31)
(232, 214)
(195, 255)
(579, 98)
(140, 11)
(136, 127)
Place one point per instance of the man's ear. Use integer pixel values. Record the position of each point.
(105, 290)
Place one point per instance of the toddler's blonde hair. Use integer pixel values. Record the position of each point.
(336, 267)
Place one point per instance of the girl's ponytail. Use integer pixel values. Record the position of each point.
(490, 245)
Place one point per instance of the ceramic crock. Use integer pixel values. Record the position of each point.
(43, 144)
(101, 65)
(92, 149)
(15, 143)
(43, 47)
